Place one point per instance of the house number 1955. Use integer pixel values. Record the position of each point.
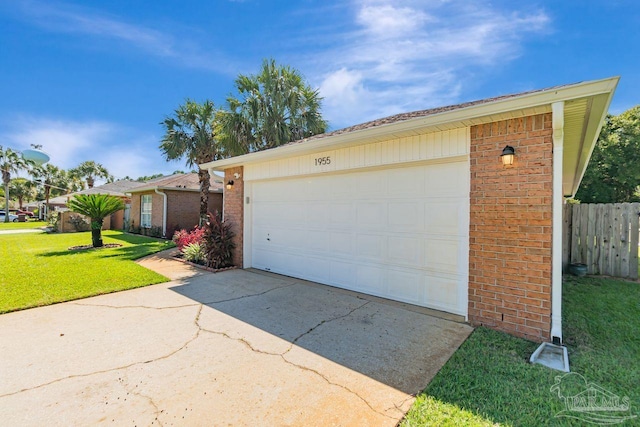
(322, 161)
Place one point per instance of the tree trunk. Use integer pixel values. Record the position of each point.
(205, 181)
(6, 195)
(96, 232)
(90, 181)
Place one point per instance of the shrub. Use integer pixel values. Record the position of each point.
(218, 242)
(194, 252)
(183, 238)
(52, 218)
(79, 223)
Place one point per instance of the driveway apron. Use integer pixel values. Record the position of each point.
(240, 347)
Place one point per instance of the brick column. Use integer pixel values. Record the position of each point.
(511, 227)
(234, 210)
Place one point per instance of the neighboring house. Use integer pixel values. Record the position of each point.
(419, 208)
(116, 188)
(171, 203)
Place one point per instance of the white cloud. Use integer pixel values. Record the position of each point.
(409, 55)
(122, 151)
(62, 18)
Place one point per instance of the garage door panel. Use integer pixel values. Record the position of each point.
(405, 286)
(398, 233)
(370, 246)
(444, 218)
(407, 251)
(407, 216)
(341, 214)
(371, 214)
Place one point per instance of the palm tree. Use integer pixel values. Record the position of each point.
(191, 134)
(91, 170)
(22, 189)
(10, 162)
(274, 107)
(49, 176)
(97, 207)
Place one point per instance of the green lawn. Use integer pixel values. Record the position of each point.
(38, 269)
(488, 381)
(22, 225)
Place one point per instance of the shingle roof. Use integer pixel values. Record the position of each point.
(186, 181)
(420, 113)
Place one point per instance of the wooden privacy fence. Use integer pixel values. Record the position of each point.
(602, 236)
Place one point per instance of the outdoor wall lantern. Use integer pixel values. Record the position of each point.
(508, 154)
(229, 185)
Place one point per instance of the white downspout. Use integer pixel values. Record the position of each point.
(557, 109)
(164, 211)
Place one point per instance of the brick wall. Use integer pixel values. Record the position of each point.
(511, 227)
(234, 210)
(183, 209)
(156, 209)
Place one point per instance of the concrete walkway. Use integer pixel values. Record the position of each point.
(233, 348)
(22, 231)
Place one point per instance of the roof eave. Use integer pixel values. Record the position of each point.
(487, 111)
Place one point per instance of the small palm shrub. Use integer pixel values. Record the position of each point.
(218, 242)
(194, 252)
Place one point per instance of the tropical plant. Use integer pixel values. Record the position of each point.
(10, 162)
(191, 134)
(49, 176)
(274, 107)
(22, 189)
(218, 242)
(194, 252)
(183, 237)
(91, 170)
(96, 207)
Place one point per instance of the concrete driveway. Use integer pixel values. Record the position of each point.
(232, 348)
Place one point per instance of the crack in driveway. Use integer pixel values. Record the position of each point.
(104, 371)
(302, 367)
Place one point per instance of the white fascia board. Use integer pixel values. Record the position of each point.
(531, 100)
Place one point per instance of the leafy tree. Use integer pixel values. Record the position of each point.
(274, 107)
(191, 134)
(91, 170)
(97, 207)
(49, 176)
(613, 174)
(22, 189)
(10, 162)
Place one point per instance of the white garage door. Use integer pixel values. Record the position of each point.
(397, 233)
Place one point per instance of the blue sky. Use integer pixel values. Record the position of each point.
(93, 80)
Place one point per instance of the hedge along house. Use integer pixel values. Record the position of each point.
(419, 208)
(171, 203)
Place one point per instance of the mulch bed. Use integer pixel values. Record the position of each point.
(200, 266)
(86, 247)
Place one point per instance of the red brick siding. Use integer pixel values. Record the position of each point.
(511, 227)
(156, 209)
(183, 209)
(234, 210)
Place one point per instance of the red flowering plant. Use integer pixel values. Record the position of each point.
(184, 238)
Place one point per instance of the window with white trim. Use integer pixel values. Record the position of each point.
(145, 211)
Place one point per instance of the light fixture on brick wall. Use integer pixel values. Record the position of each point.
(229, 184)
(508, 154)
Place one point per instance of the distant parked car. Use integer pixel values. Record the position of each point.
(21, 212)
(12, 217)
